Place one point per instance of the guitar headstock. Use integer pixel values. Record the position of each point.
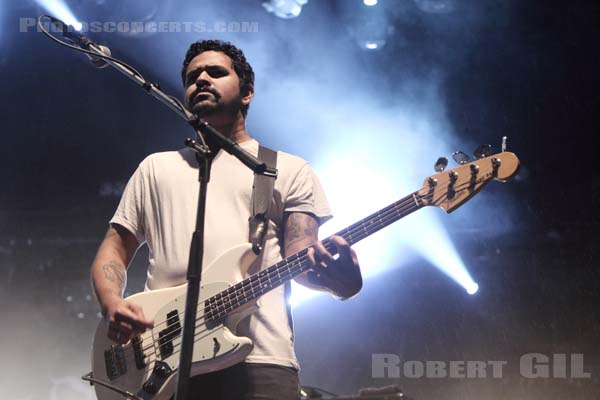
(450, 189)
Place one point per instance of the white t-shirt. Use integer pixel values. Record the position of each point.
(159, 207)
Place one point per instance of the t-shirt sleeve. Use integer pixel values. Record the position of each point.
(307, 195)
(129, 212)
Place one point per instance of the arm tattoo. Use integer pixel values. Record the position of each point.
(113, 272)
(300, 227)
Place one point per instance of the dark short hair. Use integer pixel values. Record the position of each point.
(242, 68)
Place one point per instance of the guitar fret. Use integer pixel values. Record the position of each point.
(262, 282)
(220, 305)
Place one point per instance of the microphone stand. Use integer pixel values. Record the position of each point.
(203, 153)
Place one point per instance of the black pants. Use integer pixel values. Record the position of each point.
(247, 381)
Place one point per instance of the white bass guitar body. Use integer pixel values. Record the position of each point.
(145, 368)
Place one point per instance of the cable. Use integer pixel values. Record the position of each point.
(91, 53)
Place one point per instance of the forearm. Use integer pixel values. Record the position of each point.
(301, 231)
(108, 279)
(108, 273)
(340, 275)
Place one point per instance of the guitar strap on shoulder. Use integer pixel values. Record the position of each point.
(262, 194)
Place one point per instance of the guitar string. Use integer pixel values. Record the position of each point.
(276, 271)
(355, 229)
(357, 226)
(166, 339)
(296, 265)
(396, 209)
(199, 335)
(384, 217)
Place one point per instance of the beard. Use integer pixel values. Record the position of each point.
(211, 108)
(205, 108)
(205, 102)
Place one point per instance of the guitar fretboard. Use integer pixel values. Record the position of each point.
(218, 306)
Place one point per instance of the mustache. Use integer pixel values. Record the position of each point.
(208, 89)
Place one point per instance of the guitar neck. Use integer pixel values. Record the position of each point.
(251, 288)
(377, 221)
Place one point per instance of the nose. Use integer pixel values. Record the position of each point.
(203, 79)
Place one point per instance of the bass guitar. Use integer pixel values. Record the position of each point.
(146, 367)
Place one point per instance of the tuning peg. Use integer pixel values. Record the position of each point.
(440, 164)
(460, 157)
(483, 151)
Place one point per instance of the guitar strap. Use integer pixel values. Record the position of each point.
(262, 194)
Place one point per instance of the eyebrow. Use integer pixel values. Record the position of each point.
(205, 67)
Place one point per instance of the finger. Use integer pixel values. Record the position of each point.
(127, 319)
(123, 326)
(344, 250)
(125, 314)
(323, 256)
(310, 253)
(120, 327)
(139, 311)
(119, 335)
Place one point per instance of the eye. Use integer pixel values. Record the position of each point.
(216, 72)
(191, 78)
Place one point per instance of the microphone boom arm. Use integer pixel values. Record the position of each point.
(86, 45)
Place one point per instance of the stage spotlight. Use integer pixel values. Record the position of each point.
(430, 238)
(370, 28)
(60, 10)
(370, 3)
(472, 288)
(285, 8)
(374, 45)
(419, 235)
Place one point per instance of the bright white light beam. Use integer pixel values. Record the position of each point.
(432, 241)
(59, 9)
(421, 232)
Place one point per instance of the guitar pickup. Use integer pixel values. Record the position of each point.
(114, 359)
(168, 335)
(138, 352)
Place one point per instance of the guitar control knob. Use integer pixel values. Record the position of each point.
(150, 387)
(161, 370)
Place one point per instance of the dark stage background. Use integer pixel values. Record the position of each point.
(71, 137)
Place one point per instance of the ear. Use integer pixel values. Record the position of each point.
(247, 94)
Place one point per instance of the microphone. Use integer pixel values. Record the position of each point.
(81, 41)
